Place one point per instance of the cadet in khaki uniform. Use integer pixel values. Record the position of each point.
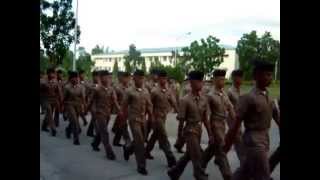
(74, 98)
(255, 109)
(193, 110)
(53, 98)
(220, 106)
(104, 99)
(120, 126)
(137, 102)
(86, 86)
(180, 142)
(60, 82)
(150, 85)
(234, 93)
(95, 83)
(162, 99)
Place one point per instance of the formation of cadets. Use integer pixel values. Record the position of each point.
(142, 106)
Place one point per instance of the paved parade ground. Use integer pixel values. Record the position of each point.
(61, 160)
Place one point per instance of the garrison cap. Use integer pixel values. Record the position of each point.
(138, 73)
(81, 71)
(219, 73)
(95, 73)
(73, 74)
(195, 75)
(51, 70)
(162, 73)
(262, 65)
(237, 73)
(104, 73)
(154, 71)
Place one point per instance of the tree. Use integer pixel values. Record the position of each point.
(44, 62)
(133, 60)
(97, 50)
(57, 28)
(84, 61)
(250, 47)
(204, 55)
(68, 61)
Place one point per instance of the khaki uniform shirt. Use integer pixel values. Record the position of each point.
(256, 109)
(233, 94)
(192, 110)
(120, 92)
(52, 91)
(150, 85)
(162, 100)
(219, 104)
(103, 101)
(138, 100)
(74, 94)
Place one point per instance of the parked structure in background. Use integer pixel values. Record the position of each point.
(164, 55)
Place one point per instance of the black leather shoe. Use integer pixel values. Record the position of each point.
(149, 156)
(179, 150)
(76, 142)
(172, 175)
(94, 147)
(172, 162)
(142, 171)
(111, 156)
(126, 154)
(45, 129)
(53, 132)
(68, 133)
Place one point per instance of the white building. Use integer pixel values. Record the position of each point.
(164, 55)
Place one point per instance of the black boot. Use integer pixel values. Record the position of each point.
(126, 153)
(95, 147)
(53, 132)
(111, 156)
(76, 142)
(171, 162)
(148, 155)
(142, 171)
(172, 175)
(68, 133)
(44, 127)
(179, 149)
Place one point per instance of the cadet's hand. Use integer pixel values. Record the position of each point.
(211, 140)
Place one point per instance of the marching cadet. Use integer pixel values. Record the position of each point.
(137, 102)
(220, 106)
(234, 93)
(174, 88)
(255, 109)
(150, 85)
(74, 99)
(162, 99)
(86, 86)
(180, 142)
(104, 98)
(61, 83)
(53, 98)
(274, 159)
(120, 127)
(95, 83)
(193, 110)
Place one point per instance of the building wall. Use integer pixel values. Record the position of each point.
(106, 61)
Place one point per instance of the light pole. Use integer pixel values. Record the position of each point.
(175, 51)
(75, 37)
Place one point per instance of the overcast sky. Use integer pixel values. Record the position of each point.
(164, 23)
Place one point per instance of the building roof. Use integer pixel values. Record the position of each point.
(160, 50)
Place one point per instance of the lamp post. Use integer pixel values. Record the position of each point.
(75, 37)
